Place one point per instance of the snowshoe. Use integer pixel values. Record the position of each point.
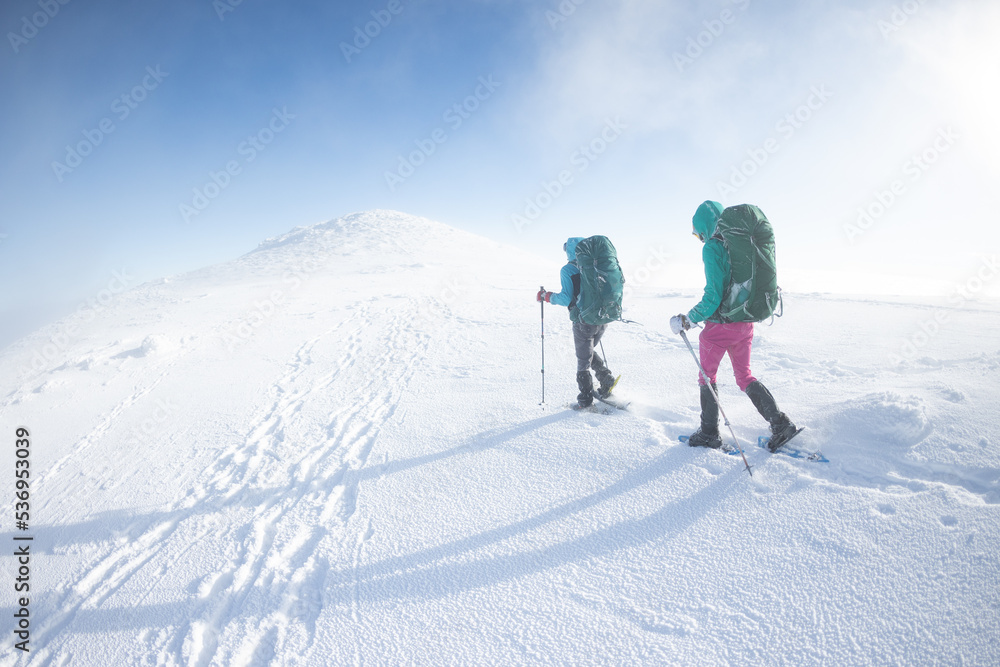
(597, 408)
(612, 401)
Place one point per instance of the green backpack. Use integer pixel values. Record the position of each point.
(601, 281)
(752, 294)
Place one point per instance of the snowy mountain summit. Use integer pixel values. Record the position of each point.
(331, 450)
(378, 228)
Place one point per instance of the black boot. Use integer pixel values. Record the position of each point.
(604, 376)
(708, 434)
(782, 428)
(709, 411)
(586, 384)
(701, 439)
(607, 381)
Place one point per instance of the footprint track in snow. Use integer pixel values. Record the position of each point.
(323, 487)
(377, 370)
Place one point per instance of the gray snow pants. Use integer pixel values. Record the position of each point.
(586, 337)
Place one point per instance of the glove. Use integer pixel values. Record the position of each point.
(544, 296)
(679, 322)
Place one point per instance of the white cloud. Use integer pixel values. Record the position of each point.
(892, 95)
(954, 61)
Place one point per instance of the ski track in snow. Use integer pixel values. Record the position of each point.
(317, 486)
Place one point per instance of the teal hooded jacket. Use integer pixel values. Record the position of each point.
(715, 257)
(569, 280)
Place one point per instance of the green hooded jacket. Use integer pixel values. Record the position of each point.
(716, 261)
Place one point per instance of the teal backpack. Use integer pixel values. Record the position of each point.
(752, 294)
(601, 281)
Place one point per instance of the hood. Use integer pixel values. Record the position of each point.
(570, 247)
(706, 217)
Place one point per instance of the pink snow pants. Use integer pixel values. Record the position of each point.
(716, 340)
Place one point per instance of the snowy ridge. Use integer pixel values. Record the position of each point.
(376, 225)
(331, 450)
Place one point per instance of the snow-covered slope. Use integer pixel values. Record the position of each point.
(330, 451)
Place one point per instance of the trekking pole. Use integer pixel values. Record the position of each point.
(715, 396)
(604, 356)
(542, 302)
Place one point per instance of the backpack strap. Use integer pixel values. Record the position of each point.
(781, 304)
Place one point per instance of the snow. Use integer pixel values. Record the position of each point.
(331, 451)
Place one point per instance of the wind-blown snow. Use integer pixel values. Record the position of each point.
(331, 451)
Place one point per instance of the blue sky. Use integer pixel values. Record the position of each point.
(287, 115)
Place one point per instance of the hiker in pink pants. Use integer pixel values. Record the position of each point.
(716, 340)
(721, 337)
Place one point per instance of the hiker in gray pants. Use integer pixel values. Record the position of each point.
(585, 336)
